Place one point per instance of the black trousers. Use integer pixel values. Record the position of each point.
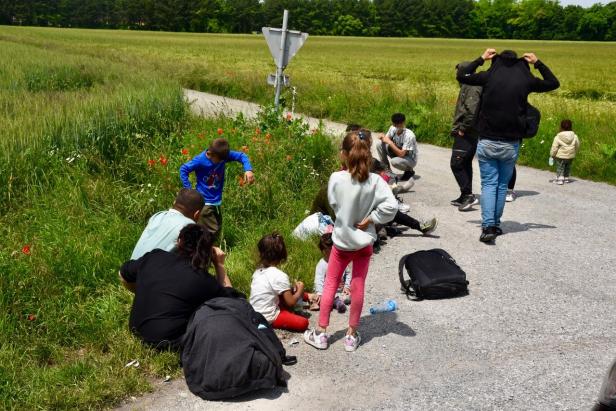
(462, 154)
(407, 220)
(511, 184)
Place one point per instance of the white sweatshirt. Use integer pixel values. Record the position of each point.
(353, 201)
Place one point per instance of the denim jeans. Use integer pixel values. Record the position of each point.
(496, 162)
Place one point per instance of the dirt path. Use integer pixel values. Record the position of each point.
(537, 331)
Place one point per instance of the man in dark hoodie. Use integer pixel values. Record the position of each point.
(502, 124)
(464, 133)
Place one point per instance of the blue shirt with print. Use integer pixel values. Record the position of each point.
(210, 175)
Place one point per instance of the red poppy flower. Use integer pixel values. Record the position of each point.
(31, 317)
(220, 131)
(163, 160)
(258, 130)
(268, 136)
(151, 163)
(184, 152)
(26, 249)
(289, 158)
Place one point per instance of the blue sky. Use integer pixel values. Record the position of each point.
(585, 3)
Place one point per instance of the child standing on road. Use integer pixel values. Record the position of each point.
(320, 273)
(271, 293)
(360, 200)
(209, 168)
(564, 149)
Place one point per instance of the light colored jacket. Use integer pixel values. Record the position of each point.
(352, 202)
(565, 146)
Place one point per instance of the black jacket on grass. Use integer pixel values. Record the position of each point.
(229, 349)
(506, 86)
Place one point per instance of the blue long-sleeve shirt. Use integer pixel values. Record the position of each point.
(210, 175)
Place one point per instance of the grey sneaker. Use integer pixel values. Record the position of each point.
(429, 226)
(351, 342)
(317, 340)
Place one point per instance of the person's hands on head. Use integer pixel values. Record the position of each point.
(364, 224)
(249, 177)
(218, 256)
(488, 54)
(530, 57)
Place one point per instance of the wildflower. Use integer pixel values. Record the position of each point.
(184, 152)
(26, 249)
(163, 160)
(151, 163)
(257, 130)
(31, 317)
(268, 136)
(289, 158)
(542, 141)
(220, 131)
(289, 117)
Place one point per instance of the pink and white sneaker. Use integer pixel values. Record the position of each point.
(319, 341)
(352, 342)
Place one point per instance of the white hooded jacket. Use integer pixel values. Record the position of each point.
(565, 146)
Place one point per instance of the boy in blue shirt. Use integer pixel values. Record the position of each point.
(209, 168)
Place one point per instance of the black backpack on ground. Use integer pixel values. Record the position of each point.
(229, 350)
(433, 274)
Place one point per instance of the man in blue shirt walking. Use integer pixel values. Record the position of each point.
(209, 169)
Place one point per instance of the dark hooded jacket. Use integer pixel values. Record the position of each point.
(229, 350)
(506, 86)
(467, 107)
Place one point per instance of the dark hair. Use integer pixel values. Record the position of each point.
(398, 118)
(357, 145)
(566, 125)
(376, 166)
(272, 250)
(220, 148)
(326, 242)
(353, 127)
(189, 201)
(195, 242)
(509, 54)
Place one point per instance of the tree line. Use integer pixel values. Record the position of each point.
(511, 19)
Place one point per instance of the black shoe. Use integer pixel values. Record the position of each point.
(498, 230)
(392, 231)
(458, 201)
(408, 174)
(488, 235)
(468, 202)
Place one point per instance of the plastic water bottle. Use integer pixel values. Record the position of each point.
(388, 306)
(551, 161)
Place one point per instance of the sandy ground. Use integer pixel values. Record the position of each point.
(537, 331)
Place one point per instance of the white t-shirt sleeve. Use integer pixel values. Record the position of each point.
(279, 281)
(319, 276)
(410, 141)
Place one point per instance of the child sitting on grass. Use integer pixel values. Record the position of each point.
(564, 149)
(325, 245)
(209, 168)
(398, 147)
(271, 293)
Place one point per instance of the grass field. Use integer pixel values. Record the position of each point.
(82, 112)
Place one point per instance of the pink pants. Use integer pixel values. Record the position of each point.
(338, 262)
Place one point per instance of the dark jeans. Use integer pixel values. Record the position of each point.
(462, 154)
(563, 167)
(211, 218)
(511, 184)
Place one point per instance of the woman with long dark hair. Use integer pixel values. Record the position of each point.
(170, 286)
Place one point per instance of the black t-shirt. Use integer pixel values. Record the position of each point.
(168, 291)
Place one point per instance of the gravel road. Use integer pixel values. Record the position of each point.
(537, 331)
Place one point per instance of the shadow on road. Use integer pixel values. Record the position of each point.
(523, 193)
(265, 394)
(510, 227)
(377, 325)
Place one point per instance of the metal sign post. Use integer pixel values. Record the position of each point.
(283, 45)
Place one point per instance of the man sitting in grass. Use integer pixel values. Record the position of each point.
(209, 169)
(164, 227)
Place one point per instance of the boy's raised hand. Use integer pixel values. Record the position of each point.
(249, 177)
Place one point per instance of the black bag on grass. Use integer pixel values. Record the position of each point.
(433, 274)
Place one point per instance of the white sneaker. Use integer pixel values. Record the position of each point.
(511, 196)
(404, 186)
(317, 340)
(351, 342)
(560, 181)
(403, 208)
(567, 181)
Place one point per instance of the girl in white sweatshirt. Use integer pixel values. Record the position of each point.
(360, 200)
